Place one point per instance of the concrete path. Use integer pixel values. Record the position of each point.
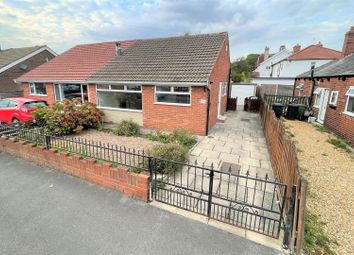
(240, 140)
(47, 212)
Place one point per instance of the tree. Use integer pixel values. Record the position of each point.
(242, 68)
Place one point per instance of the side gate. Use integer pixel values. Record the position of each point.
(245, 201)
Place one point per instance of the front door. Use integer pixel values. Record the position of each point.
(323, 105)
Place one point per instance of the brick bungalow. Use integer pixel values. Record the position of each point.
(14, 62)
(331, 91)
(165, 83)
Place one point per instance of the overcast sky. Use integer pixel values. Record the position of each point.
(251, 24)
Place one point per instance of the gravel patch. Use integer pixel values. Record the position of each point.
(137, 143)
(330, 173)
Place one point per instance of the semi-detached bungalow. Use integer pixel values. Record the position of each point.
(165, 83)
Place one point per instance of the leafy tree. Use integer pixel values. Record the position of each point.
(242, 68)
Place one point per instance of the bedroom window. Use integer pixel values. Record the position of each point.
(127, 97)
(180, 95)
(349, 107)
(37, 89)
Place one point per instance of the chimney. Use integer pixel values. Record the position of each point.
(118, 49)
(320, 44)
(348, 44)
(266, 53)
(282, 47)
(296, 48)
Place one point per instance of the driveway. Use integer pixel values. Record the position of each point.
(47, 212)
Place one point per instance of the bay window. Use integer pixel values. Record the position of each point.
(119, 96)
(180, 95)
(37, 89)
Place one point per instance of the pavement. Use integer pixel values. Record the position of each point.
(43, 211)
(239, 140)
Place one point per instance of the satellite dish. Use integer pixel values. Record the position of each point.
(23, 67)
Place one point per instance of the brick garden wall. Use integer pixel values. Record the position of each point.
(335, 119)
(103, 174)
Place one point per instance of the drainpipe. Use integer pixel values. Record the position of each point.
(313, 86)
(208, 109)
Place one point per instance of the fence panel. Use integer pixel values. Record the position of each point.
(285, 101)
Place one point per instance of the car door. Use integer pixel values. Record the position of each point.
(4, 111)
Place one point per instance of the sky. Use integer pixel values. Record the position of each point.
(251, 24)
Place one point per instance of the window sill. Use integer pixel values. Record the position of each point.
(315, 106)
(35, 95)
(351, 114)
(118, 109)
(173, 104)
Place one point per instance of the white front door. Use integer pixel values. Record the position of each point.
(322, 107)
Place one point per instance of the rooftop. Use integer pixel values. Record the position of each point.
(315, 51)
(9, 56)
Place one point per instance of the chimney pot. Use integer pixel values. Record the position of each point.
(266, 53)
(348, 44)
(118, 49)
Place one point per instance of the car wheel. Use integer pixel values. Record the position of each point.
(14, 120)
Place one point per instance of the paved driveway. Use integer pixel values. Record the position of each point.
(240, 140)
(47, 212)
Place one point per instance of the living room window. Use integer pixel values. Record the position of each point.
(179, 95)
(37, 89)
(349, 107)
(118, 96)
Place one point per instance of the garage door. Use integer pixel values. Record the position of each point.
(241, 91)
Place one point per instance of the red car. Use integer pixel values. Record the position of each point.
(19, 108)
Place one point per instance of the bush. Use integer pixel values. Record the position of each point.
(178, 136)
(165, 153)
(127, 128)
(183, 137)
(70, 116)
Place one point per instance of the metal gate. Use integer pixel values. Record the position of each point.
(245, 201)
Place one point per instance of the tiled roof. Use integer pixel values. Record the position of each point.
(315, 52)
(76, 64)
(8, 56)
(341, 67)
(187, 58)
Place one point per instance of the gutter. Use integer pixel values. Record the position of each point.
(208, 110)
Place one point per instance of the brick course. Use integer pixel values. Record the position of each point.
(116, 178)
(335, 118)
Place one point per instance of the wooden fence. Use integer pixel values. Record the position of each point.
(286, 169)
(285, 101)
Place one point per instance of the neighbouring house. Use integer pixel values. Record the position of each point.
(164, 83)
(277, 73)
(331, 91)
(14, 62)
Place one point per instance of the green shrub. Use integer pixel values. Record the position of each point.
(136, 170)
(178, 136)
(316, 241)
(183, 137)
(339, 144)
(165, 153)
(70, 116)
(127, 128)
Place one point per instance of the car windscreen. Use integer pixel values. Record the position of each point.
(35, 104)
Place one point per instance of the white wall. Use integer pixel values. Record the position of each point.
(264, 69)
(273, 81)
(119, 115)
(241, 91)
(295, 67)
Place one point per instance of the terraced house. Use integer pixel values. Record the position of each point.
(165, 83)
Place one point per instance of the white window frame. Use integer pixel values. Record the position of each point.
(349, 96)
(33, 85)
(172, 92)
(316, 92)
(331, 98)
(125, 90)
(60, 85)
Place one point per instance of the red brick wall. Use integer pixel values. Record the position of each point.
(116, 178)
(50, 93)
(220, 73)
(337, 121)
(170, 117)
(92, 93)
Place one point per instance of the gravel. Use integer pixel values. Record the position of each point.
(137, 143)
(330, 173)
